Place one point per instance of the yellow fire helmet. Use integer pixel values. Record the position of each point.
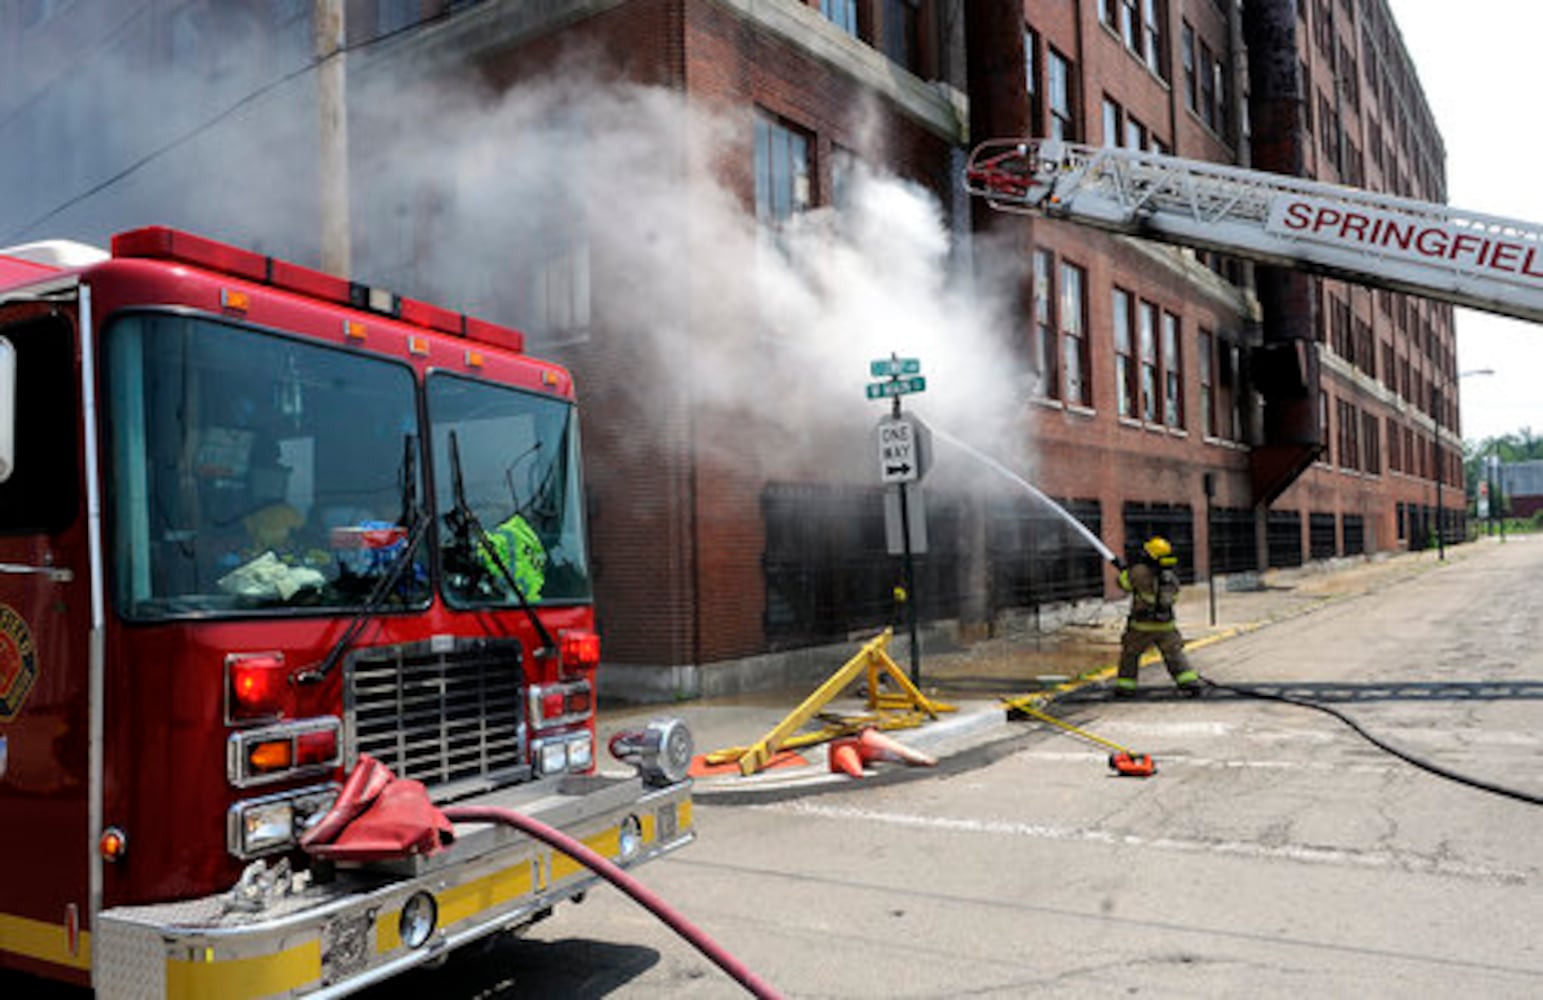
(1160, 551)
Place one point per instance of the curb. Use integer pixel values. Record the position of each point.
(935, 738)
(960, 733)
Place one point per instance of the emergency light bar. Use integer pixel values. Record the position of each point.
(164, 243)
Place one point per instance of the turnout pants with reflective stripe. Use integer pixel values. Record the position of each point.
(1168, 642)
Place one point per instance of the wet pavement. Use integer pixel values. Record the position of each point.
(1072, 659)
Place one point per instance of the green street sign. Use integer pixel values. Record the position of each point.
(894, 366)
(898, 387)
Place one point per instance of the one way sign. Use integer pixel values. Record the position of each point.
(902, 445)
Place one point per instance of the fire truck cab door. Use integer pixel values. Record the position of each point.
(45, 622)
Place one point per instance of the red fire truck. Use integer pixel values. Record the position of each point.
(258, 523)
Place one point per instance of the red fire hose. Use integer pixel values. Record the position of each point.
(614, 874)
(380, 816)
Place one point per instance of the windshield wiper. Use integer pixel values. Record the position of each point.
(412, 515)
(468, 530)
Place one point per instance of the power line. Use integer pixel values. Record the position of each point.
(188, 136)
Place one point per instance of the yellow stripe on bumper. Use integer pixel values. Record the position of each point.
(259, 976)
(44, 942)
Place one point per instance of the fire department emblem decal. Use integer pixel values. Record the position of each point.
(18, 662)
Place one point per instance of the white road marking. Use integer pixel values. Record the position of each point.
(1301, 853)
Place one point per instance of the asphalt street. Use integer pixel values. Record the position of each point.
(1275, 854)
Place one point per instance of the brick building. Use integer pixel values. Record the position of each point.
(617, 177)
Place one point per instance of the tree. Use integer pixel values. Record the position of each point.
(1518, 446)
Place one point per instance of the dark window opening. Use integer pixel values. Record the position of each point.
(1234, 540)
(1322, 542)
(1283, 533)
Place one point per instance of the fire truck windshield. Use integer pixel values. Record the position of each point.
(518, 470)
(252, 472)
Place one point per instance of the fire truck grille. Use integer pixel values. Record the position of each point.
(446, 714)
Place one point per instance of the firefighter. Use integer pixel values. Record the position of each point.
(1154, 587)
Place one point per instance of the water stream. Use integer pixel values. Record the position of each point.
(1065, 514)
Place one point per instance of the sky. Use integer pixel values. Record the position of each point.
(1477, 62)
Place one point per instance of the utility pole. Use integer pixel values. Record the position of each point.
(332, 104)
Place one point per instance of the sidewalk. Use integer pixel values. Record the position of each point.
(1078, 654)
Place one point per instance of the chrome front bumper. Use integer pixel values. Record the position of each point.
(333, 938)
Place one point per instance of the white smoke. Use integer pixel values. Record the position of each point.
(464, 197)
(781, 325)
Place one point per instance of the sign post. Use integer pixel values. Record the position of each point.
(904, 450)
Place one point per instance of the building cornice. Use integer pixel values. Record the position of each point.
(446, 45)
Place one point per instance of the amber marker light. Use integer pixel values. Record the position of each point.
(271, 755)
(113, 844)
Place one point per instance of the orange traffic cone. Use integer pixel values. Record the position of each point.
(874, 745)
(845, 758)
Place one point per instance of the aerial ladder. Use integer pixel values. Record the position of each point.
(1383, 241)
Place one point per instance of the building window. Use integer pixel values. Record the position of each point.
(1229, 416)
(1042, 350)
(1074, 337)
(1152, 37)
(1135, 134)
(783, 185)
(1191, 82)
(1146, 332)
(902, 32)
(1063, 121)
(1207, 359)
(561, 293)
(1207, 87)
(1173, 372)
(1031, 80)
(1348, 435)
(783, 189)
(841, 13)
(1130, 25)
(1113, 118)
(1328, 130)
(1371, 446)
(1124, 356)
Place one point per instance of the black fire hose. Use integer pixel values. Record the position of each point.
(614, 874)
(1405, 756)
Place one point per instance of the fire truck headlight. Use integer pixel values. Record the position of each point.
(267, 826)
(274, 822)
(419, 917)
(553, 757)
(581, 753)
